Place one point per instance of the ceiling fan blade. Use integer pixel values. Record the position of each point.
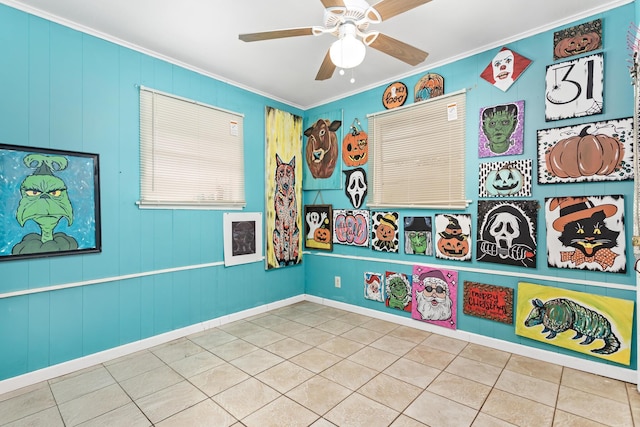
(332, 3)
(277, 34)
(390, 8)
(326, 69)
(400, 50)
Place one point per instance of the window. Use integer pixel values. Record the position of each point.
(191, 154)
(418, 155)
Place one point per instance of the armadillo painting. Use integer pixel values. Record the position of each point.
(592, 324)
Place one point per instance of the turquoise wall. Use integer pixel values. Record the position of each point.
(351, 262)
(62, 89)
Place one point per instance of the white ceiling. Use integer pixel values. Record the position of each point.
(202, 35)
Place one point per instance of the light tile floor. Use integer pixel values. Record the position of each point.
(313, 365)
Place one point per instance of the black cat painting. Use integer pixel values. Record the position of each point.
(586, 233)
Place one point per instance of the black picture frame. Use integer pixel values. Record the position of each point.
(318, 218)
(51, 203)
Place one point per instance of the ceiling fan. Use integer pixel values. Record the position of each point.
(349, 20)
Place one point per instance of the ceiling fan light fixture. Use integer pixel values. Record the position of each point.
(347, 51)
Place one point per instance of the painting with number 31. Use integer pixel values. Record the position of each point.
(574, 88)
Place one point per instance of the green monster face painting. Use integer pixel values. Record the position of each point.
(398, 293)
(418, 240)
(498, 125)
(45, 201)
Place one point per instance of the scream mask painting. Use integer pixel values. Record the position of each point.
(355, 186)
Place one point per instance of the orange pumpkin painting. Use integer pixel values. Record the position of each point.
(355, 146)
(599, 151)
(577, 40)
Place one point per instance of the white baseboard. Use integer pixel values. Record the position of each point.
(44, 374)
(609, 371)
(64, 368)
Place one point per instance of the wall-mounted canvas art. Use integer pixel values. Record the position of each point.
(434, 292)
(242, 238)
(505, 68)
(586, 233)
(507, 232)
(591, 324)
(598, 151)
(429, 86)
(578, 39)
(50, 203)
(355, 186)
(374, 286)
(505, 179)
(322, 167)
(351, 227)
(355, 145)
(384, 231)
(501, 130)
(397, 291)
(318, 227)
(453, 237)
(574, 88)
(283, 156)
(488, 301)
(417, 235)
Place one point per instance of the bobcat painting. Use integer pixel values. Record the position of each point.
(286, 235)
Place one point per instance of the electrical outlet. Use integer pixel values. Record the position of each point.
(635, 240)
(337, 281)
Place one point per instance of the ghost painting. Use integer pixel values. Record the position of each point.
(355, 186)
(507, 232)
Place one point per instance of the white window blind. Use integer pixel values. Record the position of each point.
(418, 155)
(191, 154)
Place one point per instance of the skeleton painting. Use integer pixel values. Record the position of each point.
(398, 291)
(453, 237)
(417, 235)
(505, 179)
(434, 292)
(507, 232)
(374, 286)
(598, 151)
(597, 325)
(505, 68)
(351, 227)
(355, 186)
(284, 188)
(384, 231)
(322, 136)
(586, 233)
(501, 130)
(318, 227)
(574, 88)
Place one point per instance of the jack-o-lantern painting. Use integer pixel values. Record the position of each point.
(577, 40)
(453, 239)
(384, 231)
(318, 227)
(600, 151)
(355, 146)
(505, 179)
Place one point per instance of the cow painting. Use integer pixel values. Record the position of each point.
(322, 147)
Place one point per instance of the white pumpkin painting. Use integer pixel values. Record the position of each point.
(505, 179)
